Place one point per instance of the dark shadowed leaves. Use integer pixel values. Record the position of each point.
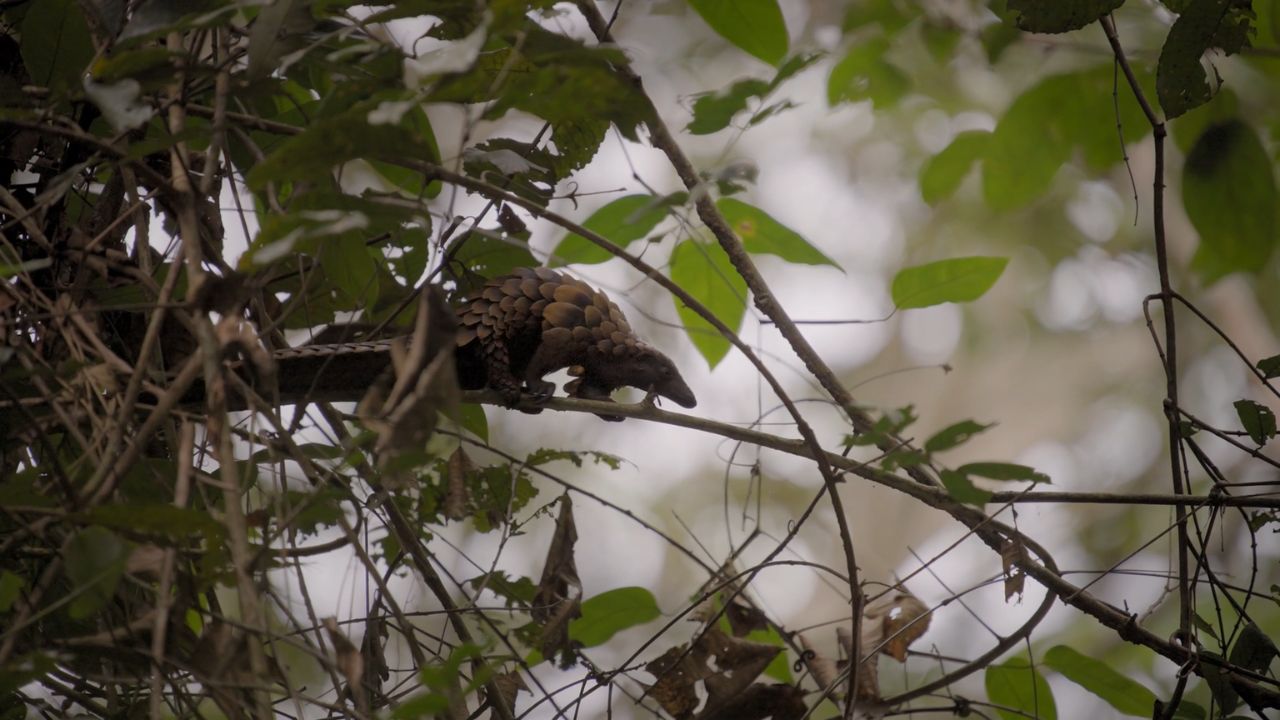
(1258, 420)
(1270, 367)
(94, 561)
(1181, 81)
(56, 46)
(1056, 16)
(1229, 192)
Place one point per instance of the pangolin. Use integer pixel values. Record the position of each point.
(519, 327)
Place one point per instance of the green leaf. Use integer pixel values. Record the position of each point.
(955, 280)
(1229, 192)
(621, 221)
(56, 46)
(1003, 471)
(1181, 82)
(1253, 650)
(472, 418)
(864, 74)
(755, 26)
(761, 234)
(713, 112)
(1215, 677)
(705, 272)
(156, 519)
(1099, 678)
(95, 560)
(944, 172)
(954, 435)
(1257, 420)
(962, 489)
(10, 586)
(611, 612)
(1058, 16)
(1016, 685)
(334, 140)
(1269, 367)
(1189, 711)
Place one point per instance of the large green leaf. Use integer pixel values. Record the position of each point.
(761, 234)
(955, 280)
(622, 221)
(1229, 192)
(1056, 16)
(755, 26)
(611, 612)
(943, 173)
(56, 47)
(1017, 686)
(1099, 678)
(705, 272)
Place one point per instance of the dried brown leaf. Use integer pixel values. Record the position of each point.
(559, 595)
(348, 659)
(906, 621)
(1013, 552)
(744, 619)
(775, 701)
(509, 686)
(457, 496)
(725, 665)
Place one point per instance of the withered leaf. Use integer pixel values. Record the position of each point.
(725, 665)
(457, 497)
(403, 408)
(509, 686)
(348, 660)
(1012, 552)
(559, 595)
(903, 621)
(744, 619)
(775, 701)
(824, 669)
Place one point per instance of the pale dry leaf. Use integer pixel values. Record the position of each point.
(906, 621)
(1013, 552)
(509, 686)
(824, 669)
(348, 659)
(559, 596)
(457, 497)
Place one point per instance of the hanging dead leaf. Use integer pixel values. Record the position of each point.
(403, 405)
(905, 620)
(744, 619)
(776, 701)
(1013, 552)
(559, 596)
(457, 497)
(509, 686)
(349, 661)
(725, 665)
(825, 671)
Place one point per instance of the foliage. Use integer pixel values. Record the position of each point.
(223, 223)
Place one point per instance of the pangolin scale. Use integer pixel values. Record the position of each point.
(519, 327)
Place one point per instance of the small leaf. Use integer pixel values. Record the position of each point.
(1204, 625)
(954, 435)
(1229, 192)
(944, 172)
(1270, 367)
(705, 272)
(865, 74)
(621, 221)
(955, 280)
(473, 420)
(1257, 420)
(1057, 16)
(95, 560)
(1003, 472)
(755, 26)
(1099, 678)
(760, 233)
(611, 612)
(10, 586)
(962, 489)
(713, 112)
(1017, 686)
